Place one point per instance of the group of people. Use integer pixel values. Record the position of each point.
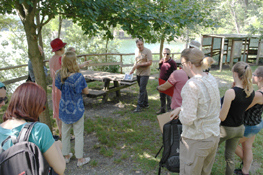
(195, 102)
(29, 100)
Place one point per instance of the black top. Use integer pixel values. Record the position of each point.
(237, 108)
(252, 116)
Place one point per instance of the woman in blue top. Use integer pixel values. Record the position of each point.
(71, 108)
(26, 104)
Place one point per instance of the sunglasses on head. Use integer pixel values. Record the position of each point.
(5, 99)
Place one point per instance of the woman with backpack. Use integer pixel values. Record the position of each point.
(26, 104)
(72, 84)
(235, 101)
(253, 124)
(199, 115)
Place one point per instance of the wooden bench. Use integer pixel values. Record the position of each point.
(93, 93)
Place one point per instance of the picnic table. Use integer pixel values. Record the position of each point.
(106, 77)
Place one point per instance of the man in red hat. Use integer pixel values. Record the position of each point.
(55, 64)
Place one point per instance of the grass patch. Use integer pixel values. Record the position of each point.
(94, 163)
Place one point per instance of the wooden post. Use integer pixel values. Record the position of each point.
(232, 55)
(121, 63)
(85, 58)
(212, 45)
(201, 47)
(118, 92)
(222, 53)
(244, 53)
(259, 42)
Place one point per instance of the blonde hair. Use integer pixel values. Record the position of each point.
(259, 71)
(244, 73)
(207, 62)
(194, 55)
(69, 65)
(70, 49)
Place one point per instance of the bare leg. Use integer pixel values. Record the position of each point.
(59, 124)
(239, 149)
(247, 154)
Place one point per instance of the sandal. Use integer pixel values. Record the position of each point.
(68, 159)
(87, 159)
(239, 172)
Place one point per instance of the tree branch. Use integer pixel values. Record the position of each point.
(20, 11)
(42, 24)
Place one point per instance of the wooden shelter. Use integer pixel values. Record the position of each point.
(230, 48)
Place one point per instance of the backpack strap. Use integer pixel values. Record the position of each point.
(25, 132)
(13, 138)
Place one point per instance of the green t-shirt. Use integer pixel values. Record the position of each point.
(40, 135)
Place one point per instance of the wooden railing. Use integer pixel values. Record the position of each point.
(120, 63)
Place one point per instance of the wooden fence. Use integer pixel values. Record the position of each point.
(120, 63)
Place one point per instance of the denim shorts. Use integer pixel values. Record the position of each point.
(253, 130)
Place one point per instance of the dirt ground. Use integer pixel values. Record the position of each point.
(106, 165)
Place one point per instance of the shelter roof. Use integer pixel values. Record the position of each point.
(231, 36)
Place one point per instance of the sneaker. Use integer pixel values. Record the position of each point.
(138, 109)
(68, 159)
(87, 159)
(160, 112)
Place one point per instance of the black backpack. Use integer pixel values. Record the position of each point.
(171, 142)
(24, 157)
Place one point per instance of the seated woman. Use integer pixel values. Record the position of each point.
(199, 115)
(26, 104)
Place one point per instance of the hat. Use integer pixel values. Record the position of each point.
(57, 44)
(194, 44)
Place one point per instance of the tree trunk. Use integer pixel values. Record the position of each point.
(161, 48)
(233, 13)
(187, 39)
(35, 57)
(59, 26)
(39, 33)
(106, 56)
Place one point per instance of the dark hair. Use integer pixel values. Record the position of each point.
(27, 102)
(194, 55)
(140, 39)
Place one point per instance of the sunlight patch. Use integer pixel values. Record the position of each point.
(147, 156)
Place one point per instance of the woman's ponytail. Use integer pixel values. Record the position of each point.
(245, 74)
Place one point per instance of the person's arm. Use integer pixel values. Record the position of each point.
(144, 64)
(85, 90)
(164, 86)
(257, 100)
(190, 95)
(85, 63)
(228, 98)
(55, 158)
(175, 113)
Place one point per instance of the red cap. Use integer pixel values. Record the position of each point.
(57, 44)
